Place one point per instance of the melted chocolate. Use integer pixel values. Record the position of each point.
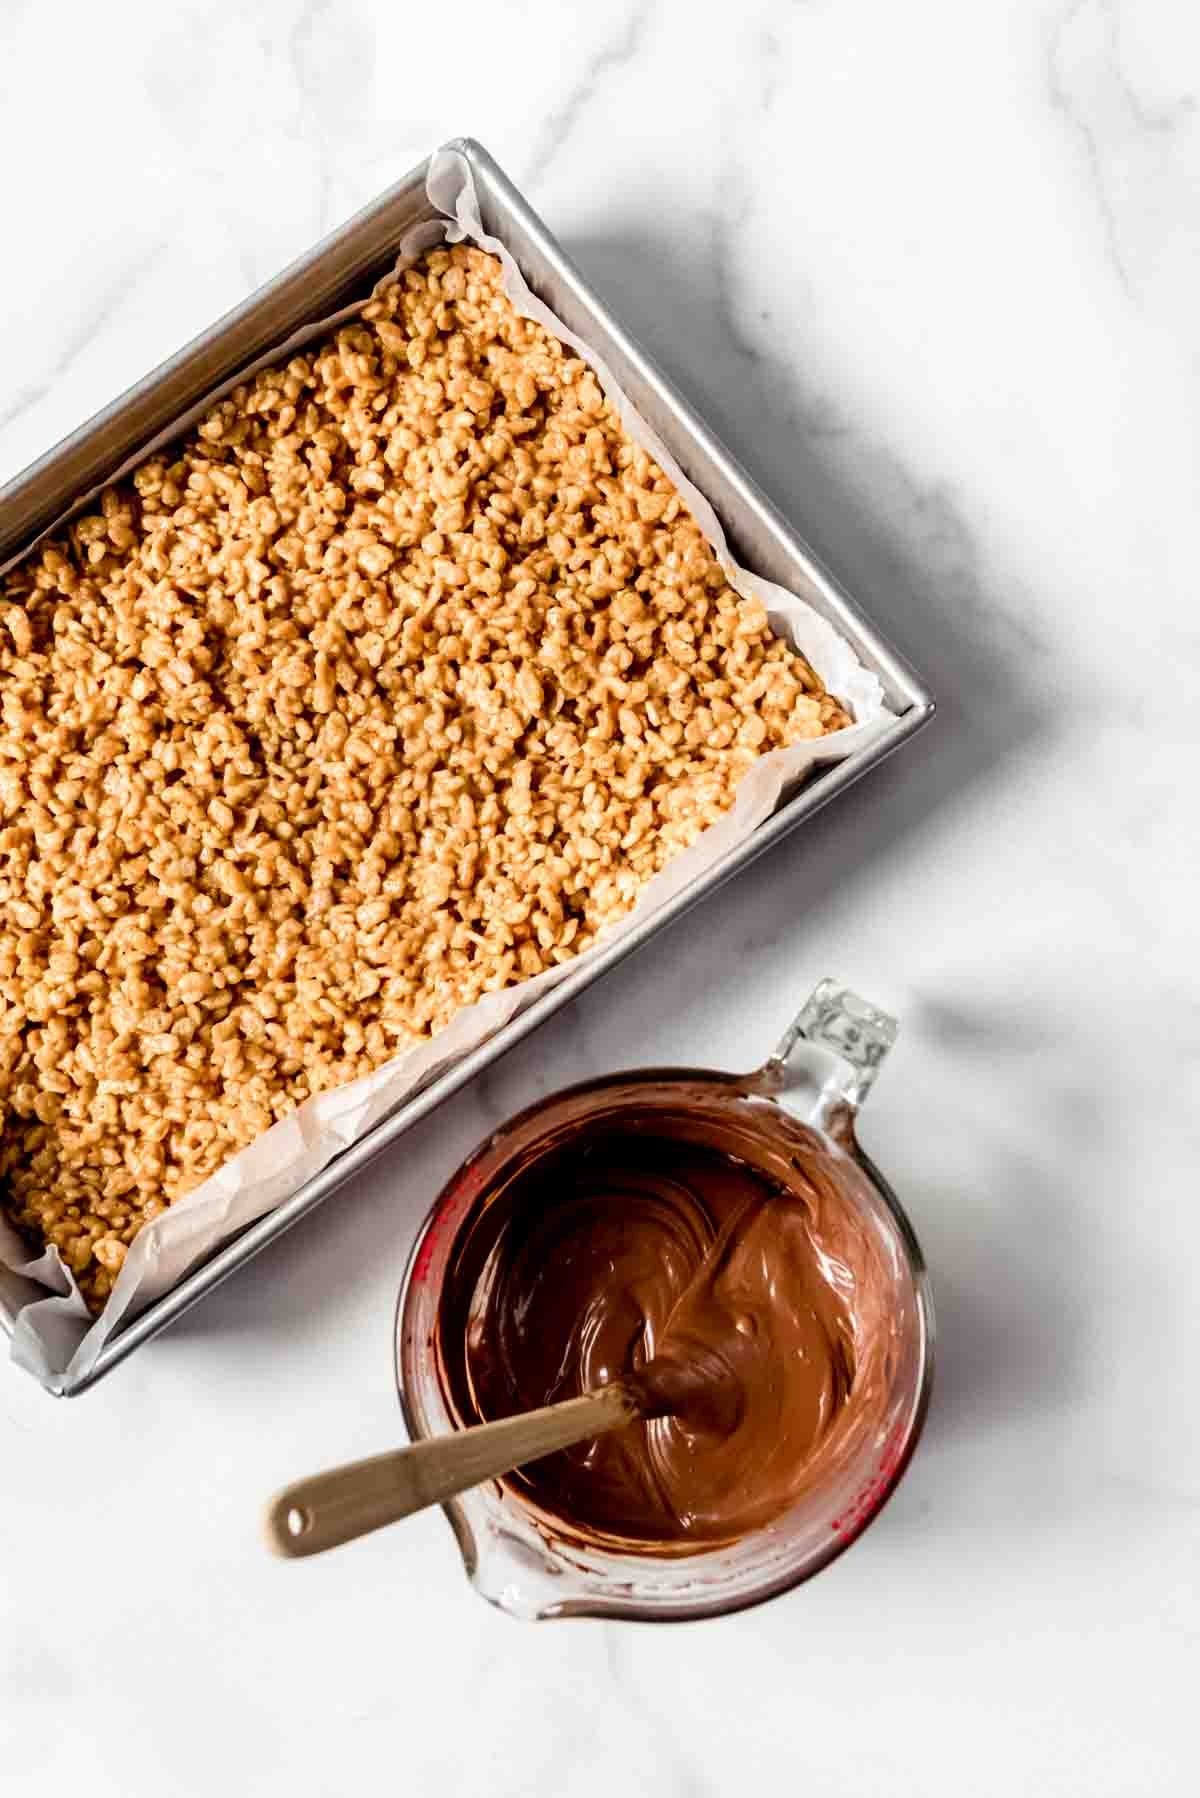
(731, 1283)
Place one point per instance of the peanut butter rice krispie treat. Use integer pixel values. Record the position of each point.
(389, 686)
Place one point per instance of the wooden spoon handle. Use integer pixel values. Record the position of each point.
(330, 1508)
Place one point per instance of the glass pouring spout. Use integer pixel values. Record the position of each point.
(825, 1063)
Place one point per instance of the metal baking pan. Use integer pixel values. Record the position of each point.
(336, 272)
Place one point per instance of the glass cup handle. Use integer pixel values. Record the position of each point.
(858, 1033)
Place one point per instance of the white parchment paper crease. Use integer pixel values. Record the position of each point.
(55, 1337)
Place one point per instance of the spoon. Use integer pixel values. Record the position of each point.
(330, 1508)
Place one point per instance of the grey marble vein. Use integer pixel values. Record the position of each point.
(103, 307)
(1073, 110)
(1091, 88)
(560, 123)
(769, 56)
(1163, 119)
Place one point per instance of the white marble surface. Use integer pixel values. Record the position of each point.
(934, 271)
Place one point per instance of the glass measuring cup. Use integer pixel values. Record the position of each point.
(810, 1087)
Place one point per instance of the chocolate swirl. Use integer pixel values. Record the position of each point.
(733, 1290)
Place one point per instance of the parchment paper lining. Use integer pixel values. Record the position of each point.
(55, 1337)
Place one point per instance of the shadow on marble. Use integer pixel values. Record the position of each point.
(906, 552)
(1010, 1316)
